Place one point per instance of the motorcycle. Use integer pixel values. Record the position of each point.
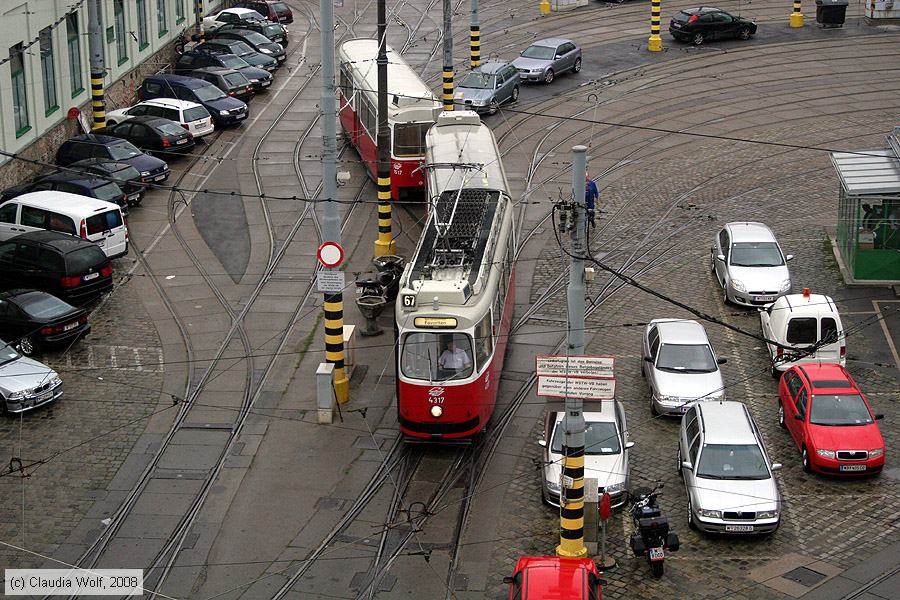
(651, 537)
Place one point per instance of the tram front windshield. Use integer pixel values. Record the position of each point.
(409, 138)
(437, 356)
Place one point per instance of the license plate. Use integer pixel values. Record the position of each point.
(853, 467)
(265, 83)
(184, 141)
(739, 528)
(657, 554)
(676, 25)
(281, 58)
(90, 276)
(159, 178)
(44, 396)
(764, 298)
(133, 197)
(241, 116)
(70, 326)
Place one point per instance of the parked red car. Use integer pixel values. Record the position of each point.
(554, 578)
(830, 420)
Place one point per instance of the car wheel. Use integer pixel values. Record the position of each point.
(515, 94)
(643, 372)
(725, 299)
(493, 108)
(781, 416)
(805, 459)
(678, 465)
(26, 346)
(744, 33)
(577, 66)
(691, 523)
(544, 497)
(653, 410)
(697, 39)
(548, 76)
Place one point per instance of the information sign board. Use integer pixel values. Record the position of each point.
(588, 388)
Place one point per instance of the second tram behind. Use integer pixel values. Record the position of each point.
(456, 296)
(412, 108)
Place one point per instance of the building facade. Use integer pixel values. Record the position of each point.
(45, 69)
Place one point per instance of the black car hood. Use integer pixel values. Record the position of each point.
(226, 103)
(255, 73)
(144, 162)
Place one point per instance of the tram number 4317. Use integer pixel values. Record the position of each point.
(408, 300)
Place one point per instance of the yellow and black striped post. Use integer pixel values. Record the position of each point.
(448, 57)
(385, 244)
(571, 504)
(448, 87)
(796, 19)
(654, 44)
(475, 46)
(199, 24)
(98, 102)
(334, 344)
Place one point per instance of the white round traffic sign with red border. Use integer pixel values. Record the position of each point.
(330, 254)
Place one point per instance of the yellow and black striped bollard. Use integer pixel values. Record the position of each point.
(475, 46)
(654, 43)
(796, 19)
(200, 21)
(334, 344)
(571, 505)
(98, 103)
(385, 244)
(448, 87)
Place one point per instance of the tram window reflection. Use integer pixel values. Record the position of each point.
(437, 356)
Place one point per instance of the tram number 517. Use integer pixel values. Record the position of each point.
(409, 300)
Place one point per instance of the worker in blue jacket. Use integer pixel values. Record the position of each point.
(591, 195)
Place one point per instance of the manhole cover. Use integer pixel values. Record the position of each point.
(804, 576)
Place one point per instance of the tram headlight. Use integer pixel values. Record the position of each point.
(436, 411)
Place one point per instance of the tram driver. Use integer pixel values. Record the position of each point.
(454, 360)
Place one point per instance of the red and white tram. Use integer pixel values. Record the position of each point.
(411, 111)
(455, 304)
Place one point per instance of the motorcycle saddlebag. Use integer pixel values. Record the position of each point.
(657, 526)
(637, 544)
(672, 542)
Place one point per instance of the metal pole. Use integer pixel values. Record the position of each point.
(448, 56)
(475, 37)
(198, 24)
(331, 220)
(654, 43)
(796, 19)
(385, 244)
(97, 63)
(571, 512)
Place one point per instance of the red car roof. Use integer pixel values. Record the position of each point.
(828, 372)
(555, 578)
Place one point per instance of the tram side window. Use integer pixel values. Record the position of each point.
(346, 83)
(409, 139)
(436, 356)
(484, 341)
(367, 115)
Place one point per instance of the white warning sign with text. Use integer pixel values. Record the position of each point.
(575, 366)
(576, 387)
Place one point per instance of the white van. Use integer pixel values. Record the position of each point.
(96, 220)
(801, 321)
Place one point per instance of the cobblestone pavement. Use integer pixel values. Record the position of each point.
(111, 380)
(659, 219)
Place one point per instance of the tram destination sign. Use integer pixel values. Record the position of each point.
(588, 388)
(575, 366)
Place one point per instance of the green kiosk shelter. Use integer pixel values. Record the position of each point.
(868, 227)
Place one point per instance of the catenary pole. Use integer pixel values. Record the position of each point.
(97, 64)
(331, 220)
(198, 24)
(475, 37)
(385, 244)
(448, 57)
(571, 512)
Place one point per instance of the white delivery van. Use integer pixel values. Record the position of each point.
(96, 220)
(803, 322)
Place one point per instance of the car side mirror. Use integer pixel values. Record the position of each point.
(720, 257)
(508, 579)
(542, 443)
(789, 257)
(879, 417)
(686, 464)
(776, 466)
(721, 361)
(629, 445)
(648, 359)
(798, 416)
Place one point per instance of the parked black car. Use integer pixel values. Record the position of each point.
(33, 320)
(698, 25)
(153, 134)
(71, 268)
(255, 40)
(229, 81)
(240, 49)
(127, 177)
(192, 60)
(224, 109)
(75, 183)
(276, 32)
(90, 145)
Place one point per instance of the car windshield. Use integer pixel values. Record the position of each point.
(123, 150)
(235, 79)
(7, 353)
(839, 410)
(280, 7)
(108, 191)
(600, 438)
(726, 461)
(539, 52)
(195, 114)
(273, 30)
(256, 38)
(436, 356)
(686, 358)
(681, 17)
(127, 173)
(240, 48)
(209, 92)
(756, 254)
(233, 62)
(43, 306)
(478, 81)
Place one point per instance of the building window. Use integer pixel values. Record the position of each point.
(143, 40)
(121, 42)
(48, 70)
(161, 17)
(19, 95)
(179, 11)
(73, 42)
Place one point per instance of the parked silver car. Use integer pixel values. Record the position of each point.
(749, 265)
(488, 86)
(606, 446)
(542, 60)
(727, 472)
(680, 365)
(25, 383)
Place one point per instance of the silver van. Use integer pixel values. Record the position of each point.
(96, 220)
